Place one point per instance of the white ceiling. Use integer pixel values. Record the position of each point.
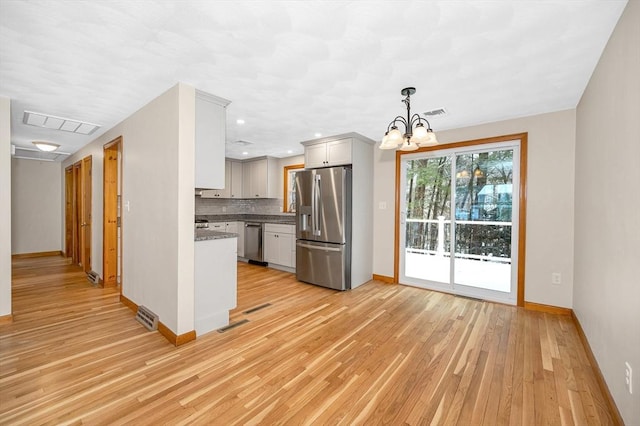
(296, 68)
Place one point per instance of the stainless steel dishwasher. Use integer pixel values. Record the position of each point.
(253, 242)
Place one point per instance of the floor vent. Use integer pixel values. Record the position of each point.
(147, 318)
(470, 298)
(93, 277)
(257, 308)
(233, 325)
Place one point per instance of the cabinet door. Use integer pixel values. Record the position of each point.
(315, 155)
(209, 143)
(284, 250)
(260, 179)
(255, 179)
(339, 152)
(236, 179)
(270, 248)
(226, 191)
(240, 239)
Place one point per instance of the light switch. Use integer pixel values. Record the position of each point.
(382, 205)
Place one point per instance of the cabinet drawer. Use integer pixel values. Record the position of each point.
(217, 226)
(279, 228)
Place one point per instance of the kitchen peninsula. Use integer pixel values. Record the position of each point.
(216, 281)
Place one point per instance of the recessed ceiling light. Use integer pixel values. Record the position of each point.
(245, 153)
(46, 146)
(289, 152)
(240, 121)
(318, 135)
(48, 121)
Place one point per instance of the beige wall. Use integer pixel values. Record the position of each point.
(607, 226)
(36, 206)
(549, 248)
(5, 206)
(158, 182)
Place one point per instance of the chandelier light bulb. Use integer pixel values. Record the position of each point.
(420, 134)
(385, 144)
(395, 136)
(408, 145)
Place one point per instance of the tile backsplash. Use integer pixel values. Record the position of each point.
(212, 206)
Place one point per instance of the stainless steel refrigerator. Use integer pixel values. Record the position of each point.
(323, 227)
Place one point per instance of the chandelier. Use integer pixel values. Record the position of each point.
(415, 133)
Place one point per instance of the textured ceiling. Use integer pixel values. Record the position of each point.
(294, 69)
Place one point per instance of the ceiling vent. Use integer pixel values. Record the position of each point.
(439, 112)
(25, 153)
(242, 143)
(52, 122)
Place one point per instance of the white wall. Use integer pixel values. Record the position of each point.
(5, 206)
(36, 206)
(550, 177)
(607, 226)
(157, 176)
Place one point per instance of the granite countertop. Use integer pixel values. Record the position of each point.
(284, 218)
(207, 234)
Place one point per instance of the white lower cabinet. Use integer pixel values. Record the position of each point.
(215, 291)
(279, 244)
(234, 228)
(240, 232)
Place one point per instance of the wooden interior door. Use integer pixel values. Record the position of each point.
(85, 215)
(76, 223)
(110, 251)
(68, 211)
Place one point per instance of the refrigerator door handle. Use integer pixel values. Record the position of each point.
(316, 205)
(324, 248)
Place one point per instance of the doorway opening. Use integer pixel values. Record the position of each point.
(461, 218)
(112, 220)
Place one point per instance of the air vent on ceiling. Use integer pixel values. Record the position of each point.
(242, 143)
(439, 112)
(35, 154)
(52, 122)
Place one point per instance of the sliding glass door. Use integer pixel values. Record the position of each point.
(458, 221)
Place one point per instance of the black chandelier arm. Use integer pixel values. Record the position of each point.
(416, 119)
(400, 119)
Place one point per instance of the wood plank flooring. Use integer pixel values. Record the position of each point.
(380, 354)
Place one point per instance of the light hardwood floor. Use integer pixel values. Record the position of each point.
(379, 354)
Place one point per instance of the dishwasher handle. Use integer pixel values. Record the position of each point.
(253, 225)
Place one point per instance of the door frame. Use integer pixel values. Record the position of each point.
(522, 214)
(111, 188)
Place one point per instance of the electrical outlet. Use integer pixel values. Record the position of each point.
(628, 376)
(556, 278)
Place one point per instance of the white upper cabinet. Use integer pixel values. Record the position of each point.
(210, 133)
(260, 178)
(236, 179)
(224, 192)
(323, 153)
